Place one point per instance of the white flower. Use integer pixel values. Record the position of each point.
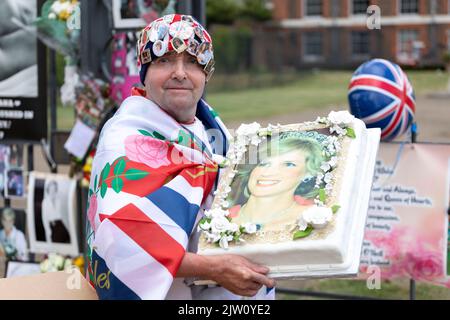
(341, 118)
(249, 228)
(318, 217)
(233, 227)
(248, 129)
(212, 237)
(318, 202)
(220, 160)
(224, 241)
(224, 204)
(216, 212)
(325, 167)
(328, 177)
(333, 161)
(220, 224)
(255, 140)
(339, 130)
(302, 224)
(52, 15)
(204, 226)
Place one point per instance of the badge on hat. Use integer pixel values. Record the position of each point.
(146, 56)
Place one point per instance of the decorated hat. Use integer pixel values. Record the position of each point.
(174, 32)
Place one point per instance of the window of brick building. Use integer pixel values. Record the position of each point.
(313, 7)
(312, 45)
(409, 6)
(360, 43)
(407, 50)
(360, 6)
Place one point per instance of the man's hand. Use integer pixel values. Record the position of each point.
(239, 275)
(232, 272)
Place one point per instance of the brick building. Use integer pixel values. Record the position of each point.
(340, 33)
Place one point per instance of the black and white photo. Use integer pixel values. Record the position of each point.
(51, 210)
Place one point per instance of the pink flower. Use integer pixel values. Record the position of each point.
(147, 150)
(92, 210)
(424, 265)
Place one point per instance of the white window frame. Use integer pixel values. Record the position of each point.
(359, 56)
(404, 58)
(350, 10)
(311, 58)
(399, 9)
(304, 10)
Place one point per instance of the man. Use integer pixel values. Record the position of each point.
(153, 175)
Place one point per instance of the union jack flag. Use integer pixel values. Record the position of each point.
(381, 95)
(149, 180)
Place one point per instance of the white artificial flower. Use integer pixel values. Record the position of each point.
(249, 227)
(333, 161)
(339, 130)
(219, 224)
(302, 224)
(328, 177)
(220, 160)
(212, 237)
(224, 241)
(340, 118)
(318, 202)
(325, 167)
(233, 227)
(318, 217)
(248, 129)
(204, 226)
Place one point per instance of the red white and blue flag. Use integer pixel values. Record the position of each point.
(381, 95)
(149, 179)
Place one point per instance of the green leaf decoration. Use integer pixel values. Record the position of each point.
(183, 138)
(117, 184)
(350, 133)
(145, 133)
(335, 208)
(158, 135)
(103, 189)
(105, 171)
(120, 167)
(95, 182)
(135, 174)
(301, 234)
(322, 195)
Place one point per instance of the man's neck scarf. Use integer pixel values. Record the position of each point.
(149, 178)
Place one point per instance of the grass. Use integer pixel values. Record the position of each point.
(308, 90)
(398, 289)
(242, 96)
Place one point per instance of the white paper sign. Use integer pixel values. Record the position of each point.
(80, 139)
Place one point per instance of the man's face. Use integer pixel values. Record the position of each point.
(176, 82)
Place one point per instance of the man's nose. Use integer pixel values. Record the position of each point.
(179, 71)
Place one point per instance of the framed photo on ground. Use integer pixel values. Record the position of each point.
(52, 222)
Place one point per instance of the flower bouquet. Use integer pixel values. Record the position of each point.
(55, 262)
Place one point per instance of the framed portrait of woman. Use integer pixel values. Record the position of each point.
(295, 197)
(51, 210)
(273, 190)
